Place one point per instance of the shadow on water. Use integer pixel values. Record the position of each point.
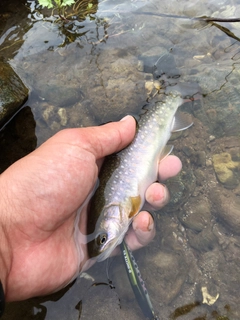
(102, 64)
(18, 138)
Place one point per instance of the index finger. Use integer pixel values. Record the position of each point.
(169, 167)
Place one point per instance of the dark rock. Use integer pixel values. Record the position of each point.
(13, 93)
(196, 214)
(203, 241)
(180, 188)
(200, 158)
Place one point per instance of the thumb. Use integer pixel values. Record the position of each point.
(101, 140)
(112, 137)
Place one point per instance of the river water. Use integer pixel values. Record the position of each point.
(104, 63)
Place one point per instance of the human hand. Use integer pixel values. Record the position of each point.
(40, 196)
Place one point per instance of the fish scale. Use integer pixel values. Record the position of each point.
(125, 177)
(139, 155)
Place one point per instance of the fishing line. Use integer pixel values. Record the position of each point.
(137, 283)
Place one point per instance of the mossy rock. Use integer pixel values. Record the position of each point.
(224, 168)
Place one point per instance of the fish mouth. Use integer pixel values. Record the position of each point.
(100, 254)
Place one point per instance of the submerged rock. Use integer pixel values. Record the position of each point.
(227, 208)
(196, 214)
(168, 273)
(203, 241)
(180, 188)
(224, 168)
(13, 92)
(107, 301)
(207, 297)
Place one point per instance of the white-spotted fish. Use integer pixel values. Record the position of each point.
(125, 176)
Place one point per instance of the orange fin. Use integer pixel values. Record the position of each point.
(136, 202)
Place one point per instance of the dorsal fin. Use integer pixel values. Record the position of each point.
(181, 122)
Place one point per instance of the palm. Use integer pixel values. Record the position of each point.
(44, 234)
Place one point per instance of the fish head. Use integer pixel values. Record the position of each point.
(109, 232)
(111, 226)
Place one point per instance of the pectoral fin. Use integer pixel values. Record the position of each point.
(136, 202)
(181, 122)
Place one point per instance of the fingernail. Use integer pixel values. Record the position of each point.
(166, 193)
(125, 118)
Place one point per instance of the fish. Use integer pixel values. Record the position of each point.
(126, 175)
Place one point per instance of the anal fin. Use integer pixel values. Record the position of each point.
(166, 151)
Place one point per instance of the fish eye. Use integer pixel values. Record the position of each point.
(101, 239)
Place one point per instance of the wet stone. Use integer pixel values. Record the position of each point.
(226, 206)
(203, 241)
(107, 301)
(60, 95)
(196, 214)
(13, 93)
(55, 118)
(235, 153)
(209, 263)
(200, 177)
(224, 168)
(170, 234)
(220, 112)
(149, 59)
(170, 270)
(210, 293)
(200, 158)
(180, 188)
(62, 112)
(188, 151)
(82, 114)
(48, 111)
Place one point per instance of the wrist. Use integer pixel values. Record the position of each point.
(3, 269)
(5, 247)
(4, 258)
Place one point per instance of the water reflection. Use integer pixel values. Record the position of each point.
(101, 69)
